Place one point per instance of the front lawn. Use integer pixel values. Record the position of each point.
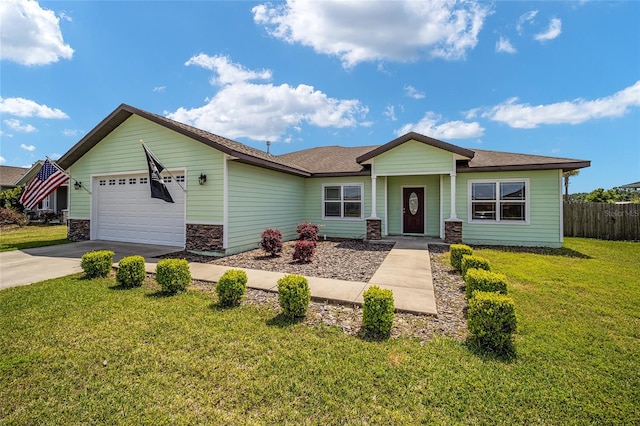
(30, 236)
(83, 351)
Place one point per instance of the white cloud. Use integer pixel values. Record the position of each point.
(227, 72)
(504, 45)
(29, 148)
(21, 107)
(159, 89)
(553, 31)
(30, 34)
(2, 160)
(16, 125)
(70, 132)
(390, 112)
(264, 111)
(412, 92)
(525, 18)
(525, 116)
(55, 156)
(359, 31)
(429, 126)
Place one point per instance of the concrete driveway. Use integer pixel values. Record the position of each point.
(23, 267)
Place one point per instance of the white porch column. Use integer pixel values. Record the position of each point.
(452, 213)
(374, 213)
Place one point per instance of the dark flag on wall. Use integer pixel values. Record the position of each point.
(48, 179)
(158, 188)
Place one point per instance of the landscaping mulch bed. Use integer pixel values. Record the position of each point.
(355, 261)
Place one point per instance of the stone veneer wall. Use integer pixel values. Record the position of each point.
(374, 229)
(453, 231)
(79, 230)
(204, 237)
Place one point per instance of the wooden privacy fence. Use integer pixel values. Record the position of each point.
(602, 221)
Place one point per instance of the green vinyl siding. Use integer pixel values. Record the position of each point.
(432, 194)
(259, 199)
(413, 158)
(121, 151)
(544, 225)
(341, 228)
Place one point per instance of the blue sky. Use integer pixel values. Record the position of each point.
(548, 78)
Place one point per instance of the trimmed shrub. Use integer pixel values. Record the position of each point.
(131, 272)
(304, 251)
(456, 251)
(492, 321)
(231, 287)
(294, 295)
(271, 241)
(474, 262)
(487, 281)
(173, 275)
(97, 263)
(12, 217)
(307, 231)
(377, 312)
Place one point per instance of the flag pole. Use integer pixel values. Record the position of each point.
(68, 175)
(166, 170)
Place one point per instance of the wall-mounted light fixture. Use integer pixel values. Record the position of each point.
(77, 185)
(202, 179)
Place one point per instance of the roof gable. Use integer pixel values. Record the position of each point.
(418, 138)
(235, 149)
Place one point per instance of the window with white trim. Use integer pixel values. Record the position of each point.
(344, 201)
(499, 201)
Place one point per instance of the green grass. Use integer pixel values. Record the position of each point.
(183, 360)
(30, 236)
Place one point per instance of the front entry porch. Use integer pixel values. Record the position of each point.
(413, 205)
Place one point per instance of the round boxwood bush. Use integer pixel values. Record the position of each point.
(97, 264)
(294, 295)
(131, 272)
(173, 275)
(377, 312)
(231, 287)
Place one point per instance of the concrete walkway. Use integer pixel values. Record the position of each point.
(406, 271)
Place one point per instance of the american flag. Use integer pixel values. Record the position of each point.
(48, 179)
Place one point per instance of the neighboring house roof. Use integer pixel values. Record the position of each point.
(634, 185)
(9, 175)
(321, 161)
(30, 173)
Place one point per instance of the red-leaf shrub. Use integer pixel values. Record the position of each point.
(307, 231)
(271, 241)
(304, 251)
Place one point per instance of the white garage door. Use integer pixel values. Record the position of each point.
(126, 212)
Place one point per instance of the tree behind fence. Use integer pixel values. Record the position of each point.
(603, 221)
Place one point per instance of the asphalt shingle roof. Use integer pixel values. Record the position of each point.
(324, 160)
(9, 175)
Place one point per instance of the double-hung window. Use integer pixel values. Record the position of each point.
(342, 201)
(499, 201)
